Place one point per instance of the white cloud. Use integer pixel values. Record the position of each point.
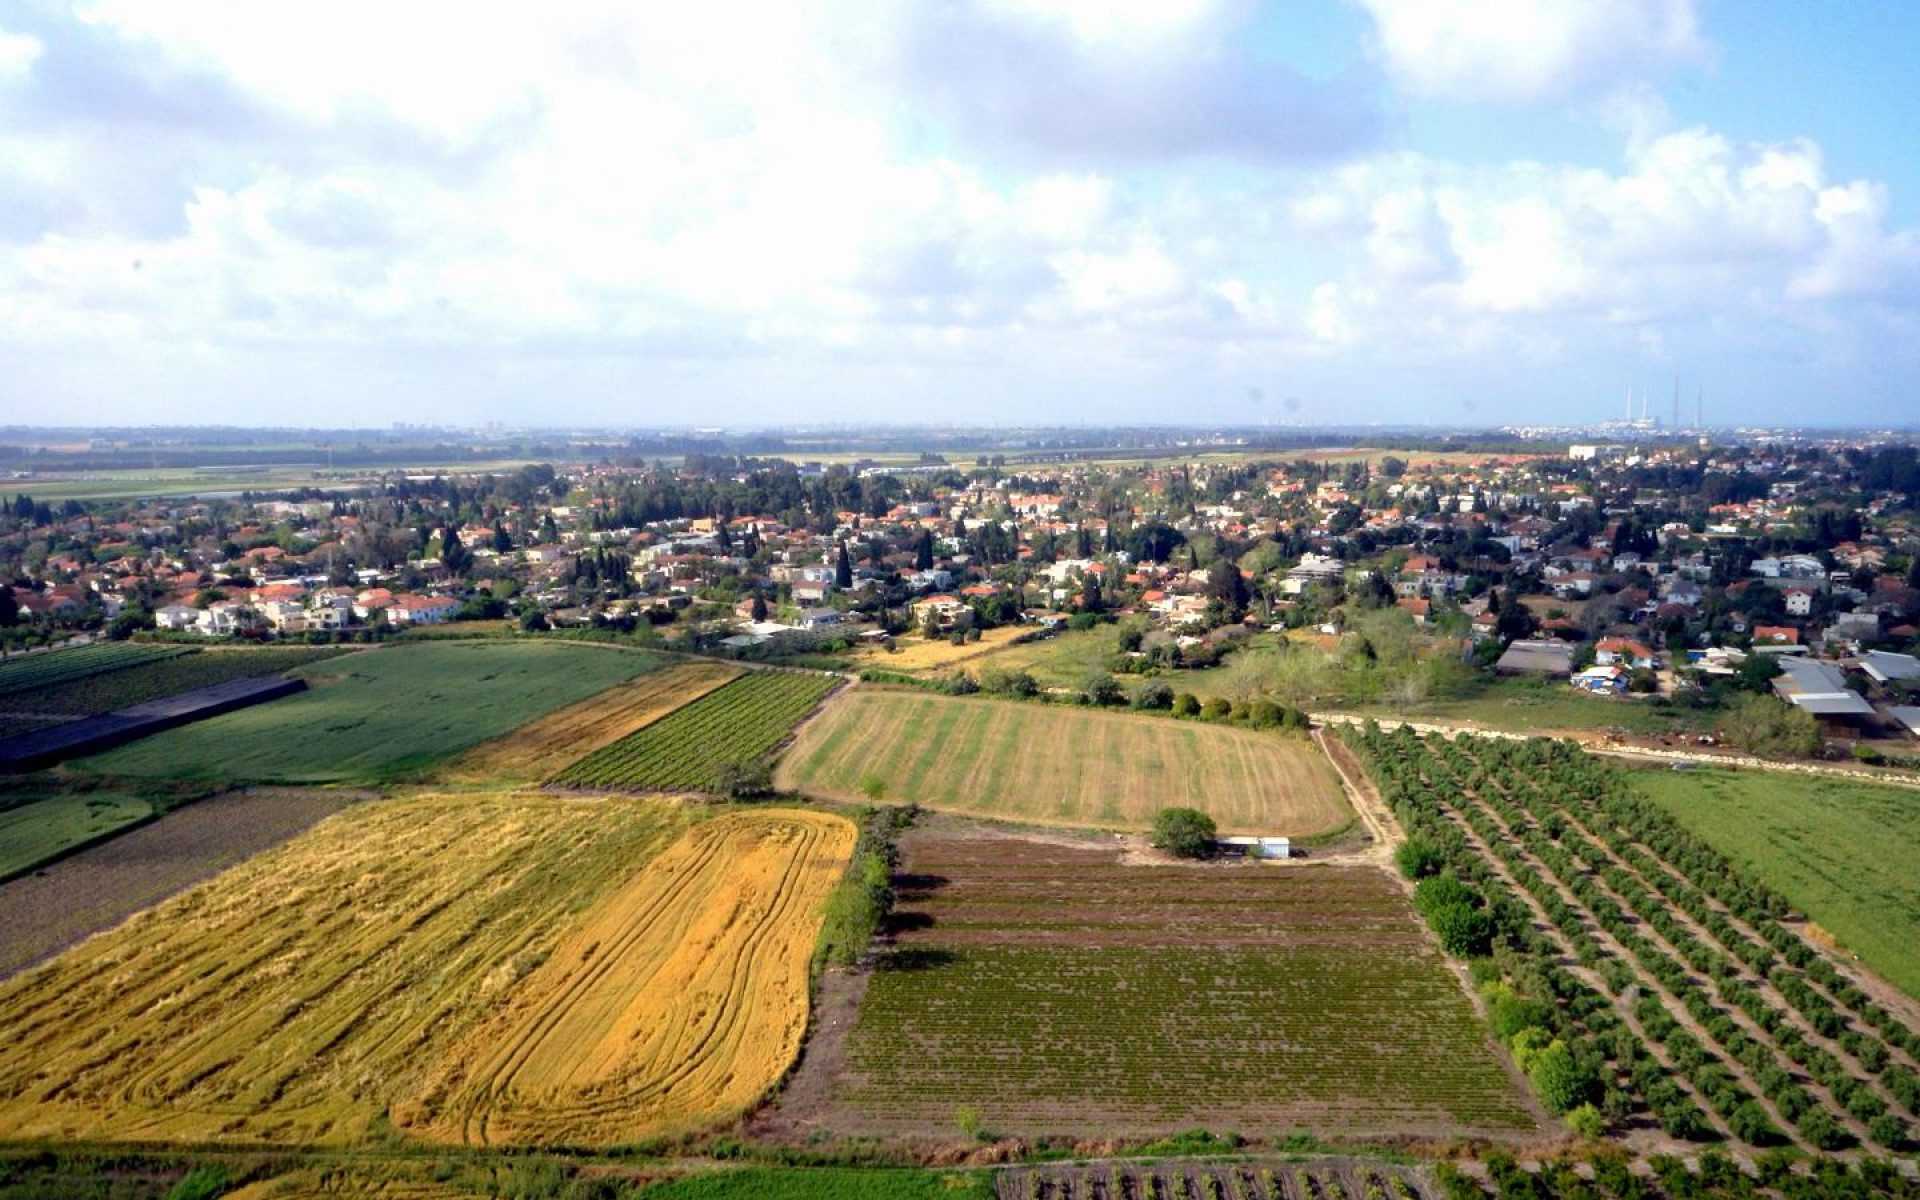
(1521, 51)
(18, 52)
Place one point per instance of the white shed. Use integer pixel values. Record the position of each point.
(1258, 847)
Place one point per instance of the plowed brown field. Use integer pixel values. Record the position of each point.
(538, 750)
(677, 1003)
(373, 962)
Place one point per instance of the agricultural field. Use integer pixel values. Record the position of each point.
(914, 655)
(540, 749)
(1241, 1181)
(741, 722)
(1683, 993)
(30, 671)
(1841, 851)
(381, 714)
(56, 906)
(1064, 660)
(364, 970)
(155, 679)
(38, 823)
(1062, 765)
(831, 1183)
(676, 1003)
(1051, 988)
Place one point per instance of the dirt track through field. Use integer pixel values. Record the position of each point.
(540, 749)
(681, 999)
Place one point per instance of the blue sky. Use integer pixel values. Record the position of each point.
(1071, 211)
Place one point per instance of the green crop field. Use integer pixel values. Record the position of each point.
(381, 714)
(1842, 852)
(739, 722)
(153, 679)
(1064, 765)
(32, 671)
(35, 827)
(1060, 991)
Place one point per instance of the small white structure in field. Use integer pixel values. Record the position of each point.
(1258, 847)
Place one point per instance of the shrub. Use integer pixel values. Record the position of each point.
(1584, 1120)
(1184, 705)
(1151, 694)
(1217, 709)
(1419, 858)
(1187, 832)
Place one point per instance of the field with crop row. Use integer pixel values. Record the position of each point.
(381, 713)
(537, 750)
(675, 1004)
(1841, 851)
(58, 666)
(1060, 991)
(156, 679)
(1690, 1002)
(487, 968)
(1321, 1180)
(1062, 765)
(741, 722)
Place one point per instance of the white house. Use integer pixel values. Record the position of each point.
(176, 616)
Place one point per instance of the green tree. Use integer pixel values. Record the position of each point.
(1185, 705)
(843, 570)
(1771, 727)
(1186, 832)
(9, 607)
(1419, 858)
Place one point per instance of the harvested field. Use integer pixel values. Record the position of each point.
(382, 713)
(916, 655)
(44, 913)
(536, 751)
(741, 722)
(675, 1005)
(364, 972)
(1062, 992)
(1061, 765)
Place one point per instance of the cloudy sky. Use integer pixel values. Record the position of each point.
(957, 211)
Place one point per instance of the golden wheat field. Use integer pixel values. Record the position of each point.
(540, 749)
(1054, 764)
(303, 995)
(675, 1005)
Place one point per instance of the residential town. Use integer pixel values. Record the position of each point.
(1658, 572)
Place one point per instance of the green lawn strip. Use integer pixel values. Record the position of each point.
(35, 831)
(1840, 851)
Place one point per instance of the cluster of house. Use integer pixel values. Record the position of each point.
(1628, 570)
